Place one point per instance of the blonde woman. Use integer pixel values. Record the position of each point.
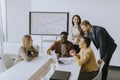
(27, 52)
(76, 31)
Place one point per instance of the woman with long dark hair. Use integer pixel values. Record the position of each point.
(76, 31)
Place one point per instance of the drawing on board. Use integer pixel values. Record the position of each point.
(48, 23)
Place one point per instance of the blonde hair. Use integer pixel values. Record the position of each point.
(26, 42)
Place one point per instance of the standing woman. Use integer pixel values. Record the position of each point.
(27, 52)
(76, 31)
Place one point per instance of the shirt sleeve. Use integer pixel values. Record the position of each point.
(35, 52)
(82, 60)
(52, 47)
(102, 42)
(24, 55)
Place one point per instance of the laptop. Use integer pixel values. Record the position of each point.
(61, 60)
(54, 56)
(60, 75)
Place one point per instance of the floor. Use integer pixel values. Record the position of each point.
(114, 73)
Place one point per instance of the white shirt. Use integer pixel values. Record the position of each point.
(63, 49)
(75, 34)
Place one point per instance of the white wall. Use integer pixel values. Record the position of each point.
(17, 19)
(99, 12)
(103, 12)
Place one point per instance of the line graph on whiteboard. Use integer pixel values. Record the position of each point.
(49, 23)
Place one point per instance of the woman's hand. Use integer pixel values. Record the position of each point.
(35, 54)
(48, 52)
(72, 52)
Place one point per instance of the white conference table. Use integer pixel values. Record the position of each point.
(32, 70)
(73, 68)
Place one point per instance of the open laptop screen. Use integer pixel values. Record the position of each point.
(66, 60)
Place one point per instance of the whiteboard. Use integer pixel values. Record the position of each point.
(48, 23)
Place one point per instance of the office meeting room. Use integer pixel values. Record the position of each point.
(59, 40)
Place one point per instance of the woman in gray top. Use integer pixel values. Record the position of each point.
(27, 52)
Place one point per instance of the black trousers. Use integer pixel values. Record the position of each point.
(105, 67)
(106, 59)
(87, 75)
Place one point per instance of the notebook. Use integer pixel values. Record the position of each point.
(60, 75)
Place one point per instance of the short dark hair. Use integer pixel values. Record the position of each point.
(87, 41)
(65, 33)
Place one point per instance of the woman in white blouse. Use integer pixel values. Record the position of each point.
(76, 31)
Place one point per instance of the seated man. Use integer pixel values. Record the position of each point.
(61, 47)
(86, 60)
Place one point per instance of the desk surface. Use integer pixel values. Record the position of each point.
(25, 70)
(73, 68)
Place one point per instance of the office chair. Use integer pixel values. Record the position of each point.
(98, 77)
(8, 61)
